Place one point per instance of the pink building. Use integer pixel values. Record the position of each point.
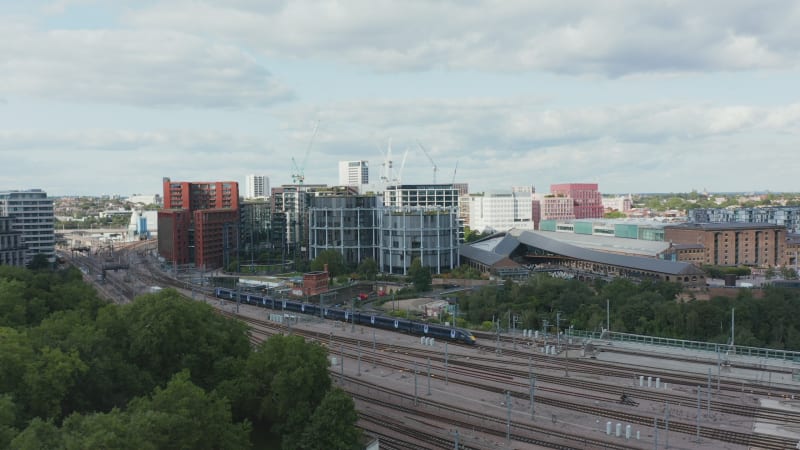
(586, 199)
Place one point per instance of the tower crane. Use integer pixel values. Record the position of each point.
(429, 159)
(454, 173)
(298, 176)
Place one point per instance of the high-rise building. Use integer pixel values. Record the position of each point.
(256, 186)
(586, 199)
(422, 195)
(353, 173)
(199, 223)
(32, 214)
(501, 212)
(12, 250)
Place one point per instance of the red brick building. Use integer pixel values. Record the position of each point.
(586, 199)
(315, 282)
(732, 244)
(199, 222)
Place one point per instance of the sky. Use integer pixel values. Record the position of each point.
(108, 97)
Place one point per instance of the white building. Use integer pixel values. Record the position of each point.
(421, 195)
(143, 225)
(32, 214)
(501, 212)
(620, 203)
(256, 186)
(353, 173)
(145, 199)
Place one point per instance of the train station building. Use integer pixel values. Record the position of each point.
(518, 253)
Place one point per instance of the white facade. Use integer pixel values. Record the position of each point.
(501, 212)
(421, 195)
(256, 186)
(145, 199)
(143, 225)
(621, 203)
(33, 215)
(353, 173)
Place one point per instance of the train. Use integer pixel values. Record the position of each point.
(362, 318)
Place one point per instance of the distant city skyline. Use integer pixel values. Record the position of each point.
(109, 97)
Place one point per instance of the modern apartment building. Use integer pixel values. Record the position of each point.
(787, 216)
(12, 250)
(421, 195)
(32, 215)
(586, 198)
(345, 223)
(551, 207)
(501, 212)
(256, 186)
(199, 223)
(353, 173)
(430, 233)
(292, 201)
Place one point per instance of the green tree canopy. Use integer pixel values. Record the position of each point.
(368, 269)
(334, 260)
(420, 276)
(333, 424)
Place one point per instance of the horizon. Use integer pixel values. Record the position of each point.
(112, 96)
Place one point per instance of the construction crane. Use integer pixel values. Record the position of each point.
(429, 159)
(298, 176)
(454, 173)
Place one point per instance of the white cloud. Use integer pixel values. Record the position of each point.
(606, 38)
(150, 68)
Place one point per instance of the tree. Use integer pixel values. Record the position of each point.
(39, 434)
(40, 262)
(181, 415)
(615, 215)
(420, 276)
(8, 418)
(48, 380)
(368, 269)
(283, 381)
(788, 273)
(163, 333)
(333, 424)
(334, 260)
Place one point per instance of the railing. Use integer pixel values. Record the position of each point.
(757, 352)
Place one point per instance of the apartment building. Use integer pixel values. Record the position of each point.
(199, 223)
(32, 215)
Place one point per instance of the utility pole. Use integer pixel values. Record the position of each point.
(353, 314)
(508, 421)
(558, 331)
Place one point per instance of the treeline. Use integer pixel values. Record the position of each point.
(650, 308)
(160, 373)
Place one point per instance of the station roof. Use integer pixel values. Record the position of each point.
(612, 244)
(493, 249)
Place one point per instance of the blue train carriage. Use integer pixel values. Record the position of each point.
(383, 322)
(443, 332)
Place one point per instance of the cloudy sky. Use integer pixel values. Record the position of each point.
(639, 96)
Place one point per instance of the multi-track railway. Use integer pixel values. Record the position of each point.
(487, 374)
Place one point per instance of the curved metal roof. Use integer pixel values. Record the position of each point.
(511, 241)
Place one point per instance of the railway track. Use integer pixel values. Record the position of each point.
(475, 376)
